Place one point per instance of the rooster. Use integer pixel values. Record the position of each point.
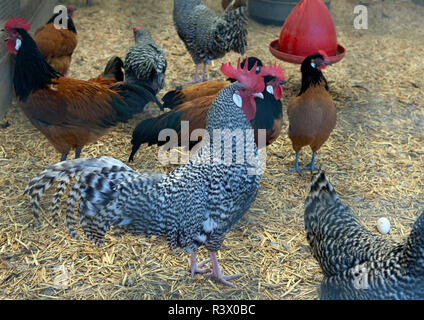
(71, 113)
(207, 36)
(57, 45)
(195, 107)
(359, 264)
(195, 205)
(145, 63)
(312, 114)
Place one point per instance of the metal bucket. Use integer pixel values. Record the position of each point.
(272, 12)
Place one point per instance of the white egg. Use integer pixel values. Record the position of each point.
(383, 225)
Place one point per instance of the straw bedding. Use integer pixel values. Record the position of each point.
(374, 158)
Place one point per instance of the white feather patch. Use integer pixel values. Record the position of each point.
(209, 225)
(18, 44)
(270, 89)
(237, 100)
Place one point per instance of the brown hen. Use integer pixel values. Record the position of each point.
(57, 45)
(312, 114)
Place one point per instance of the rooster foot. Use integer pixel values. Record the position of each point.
(217, 273)
(224, 279)
(196, 268)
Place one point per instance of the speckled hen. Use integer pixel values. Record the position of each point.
(195, 205)
(145, 62)
(357, 263)
(208, 36)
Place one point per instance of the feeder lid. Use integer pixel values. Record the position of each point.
(308, 28)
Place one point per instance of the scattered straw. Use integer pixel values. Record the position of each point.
(374, 158)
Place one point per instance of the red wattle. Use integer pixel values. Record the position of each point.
(11, 44)
(249, 107)
(278, 92)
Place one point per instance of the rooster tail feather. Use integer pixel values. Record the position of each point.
(135, 96)
(97, 183)
(114, 69)
(173, 99)
(148, 130)
(63, 172)
(124, 203)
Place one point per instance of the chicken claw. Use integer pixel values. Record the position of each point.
(195, 267)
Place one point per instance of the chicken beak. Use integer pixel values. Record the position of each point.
(259, 95)
(328, 63)
(283, 82)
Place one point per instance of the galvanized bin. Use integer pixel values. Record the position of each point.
(272, 12)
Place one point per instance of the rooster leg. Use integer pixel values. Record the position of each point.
(311, 166)
(64, 156)
(296, 168)
(205, 69)
(196, 268)
(196, 75)
(78, 152)
(217, 273)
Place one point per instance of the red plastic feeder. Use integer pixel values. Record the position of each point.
(308, 28)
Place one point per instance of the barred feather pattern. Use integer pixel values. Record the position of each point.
(349, 254)
(145, 62)
(207, 36)
(194, 205)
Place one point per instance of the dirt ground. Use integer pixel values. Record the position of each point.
(374, 158)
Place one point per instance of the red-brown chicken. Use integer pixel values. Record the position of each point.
(312, 114)
(70, 113)
(192, 105)
(202, 89)
(57, 45)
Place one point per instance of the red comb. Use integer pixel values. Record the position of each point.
(71, 10)
(17, 23)
(243, 75)
(324, 54)
(272, 70)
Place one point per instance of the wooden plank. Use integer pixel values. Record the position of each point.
(37, 12)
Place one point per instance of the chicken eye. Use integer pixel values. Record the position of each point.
(270, 89)
(237, 100)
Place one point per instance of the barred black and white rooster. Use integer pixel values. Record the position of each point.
(192, 206)
(145, 62)
(208, 36)
(359, 264)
